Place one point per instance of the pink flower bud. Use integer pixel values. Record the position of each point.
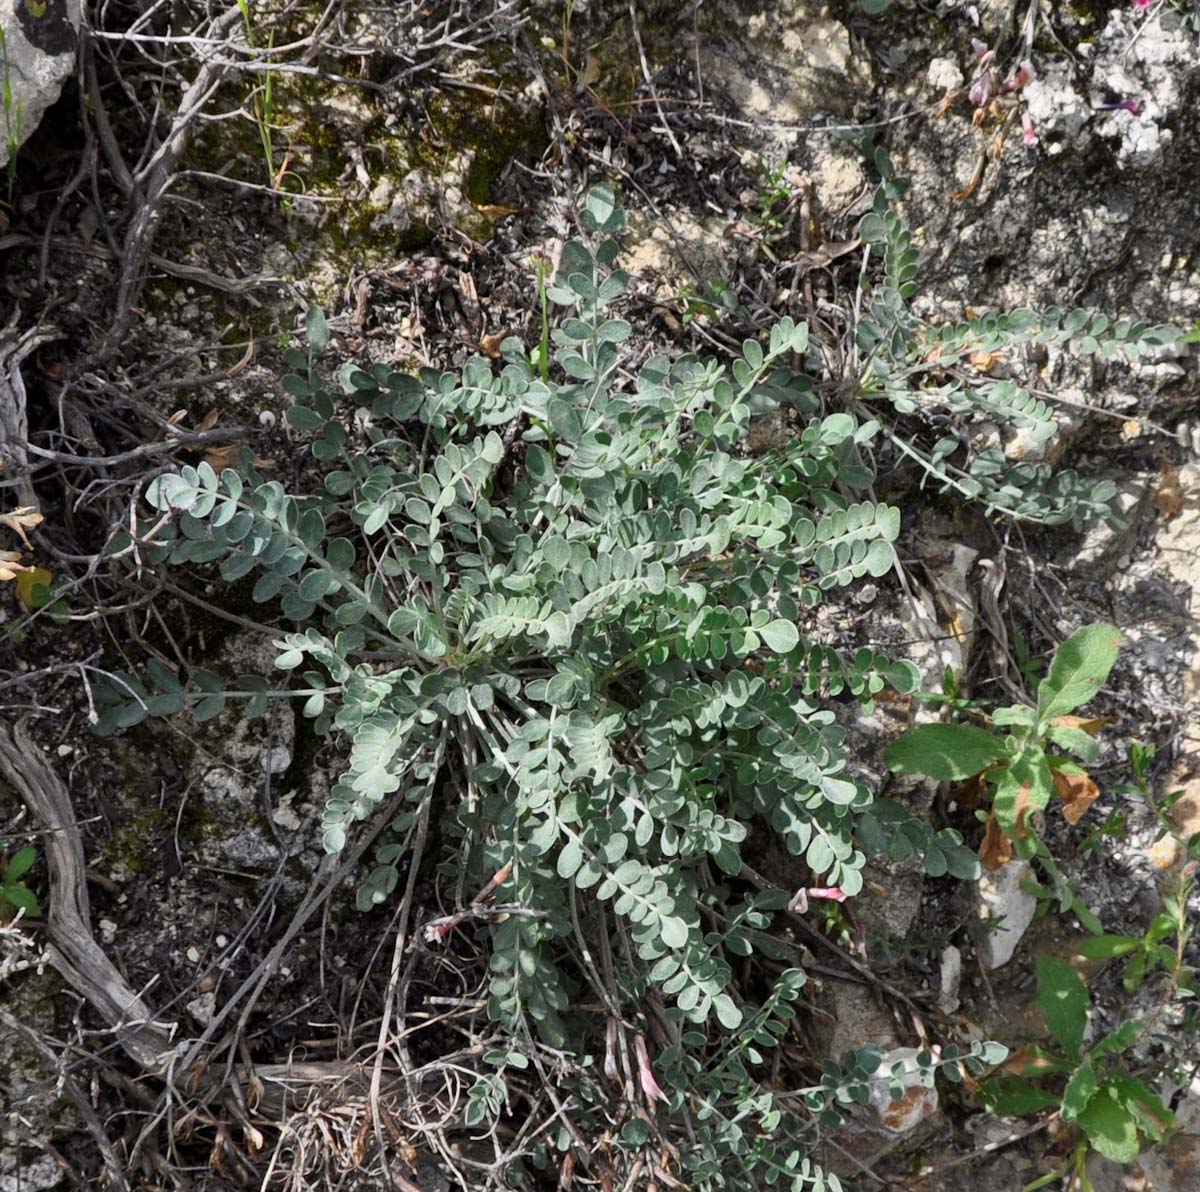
(1025, 75)
(1141, 4)
(610, 1051)
(650, 1086)
(981, 90)
(799, 902)
(979, 47)
(833, 893)
(1028, 135)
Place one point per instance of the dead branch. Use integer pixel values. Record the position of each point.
(73, 951)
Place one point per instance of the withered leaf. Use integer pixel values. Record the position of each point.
(22, 518)
(984, 361)
(1078, 793)
(1086, 724)
(491, 343)
(996, 849)
(11, 565)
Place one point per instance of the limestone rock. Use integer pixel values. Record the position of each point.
(41, 57)
(916, 1102)
(1001, 900)
(793, 61)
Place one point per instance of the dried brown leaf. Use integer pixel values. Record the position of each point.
(589, 76)
(996, 849)
(20, 519)
(11, 565)
(219, 458)
(1078, 793)
(984, 361)
(491, 343)
(1086, 724)
(1168, 497)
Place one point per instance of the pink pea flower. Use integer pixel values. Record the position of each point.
(979, 47)
(1027, 132)
(650, 1086)
(1142, 5)
(1025, 75)
(799, 903)
(981, 89)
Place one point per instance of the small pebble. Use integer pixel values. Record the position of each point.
(193, 954)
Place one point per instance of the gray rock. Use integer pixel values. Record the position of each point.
(793, 61)
(40, 59)
(1096, 556)
(1000, 898)
(916, 1102)
(951, 975)
(1059, 113)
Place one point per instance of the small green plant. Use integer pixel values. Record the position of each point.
(1017, 763)
(1164, 942)
(263, 98)
(710, 299)
(15, 896)
(1114, 1112)
(540, 356)
(775, 196)
(920, 368)
(584, 653)
(14, 116)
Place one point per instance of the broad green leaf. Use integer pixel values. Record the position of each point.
(21, 897)
(1078, 671)
(1026, 786)
(1012, 1096)
(1109, 1126)
(1152, 1117)
(19, 863)
(1105, 947)
(1119, 1040)
(1079, 1091)
(1063, 1000)
(944, 751)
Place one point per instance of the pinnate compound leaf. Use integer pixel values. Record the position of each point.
(944, 751)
